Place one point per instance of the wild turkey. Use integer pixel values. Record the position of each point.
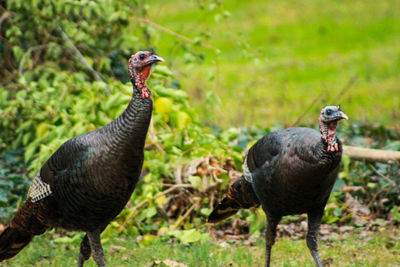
(290, 171)
(90, 178)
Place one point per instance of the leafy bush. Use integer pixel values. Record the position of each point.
(13, 184)
(99, 29)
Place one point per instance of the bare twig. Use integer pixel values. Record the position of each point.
(163, 184)
(349, 84)
(180, 36)
(350, 189)
(178, 174)
(63, 93)
(381, 175)
(368, 154)
(4, 115)
(4, 17)
(217, 169)
(144, 202)
(81, 58)
(30, 50)
(153, 137)
(181, 219)
(299, 118)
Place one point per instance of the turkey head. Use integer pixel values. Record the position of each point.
(139, 69)
(328, 120)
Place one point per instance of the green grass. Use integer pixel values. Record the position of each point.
(370, 249)
(277, 56)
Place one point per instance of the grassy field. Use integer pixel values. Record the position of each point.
(368, 249)
(276, 57)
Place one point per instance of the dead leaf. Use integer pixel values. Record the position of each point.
(169, 263)
(327, 262)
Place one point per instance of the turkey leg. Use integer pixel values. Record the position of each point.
(97, 250)
(270, 236)
(85, 251)
(314, 221)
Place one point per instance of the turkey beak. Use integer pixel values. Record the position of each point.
(153, 59)
(340, 115)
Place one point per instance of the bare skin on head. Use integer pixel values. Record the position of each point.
(328, 120)
(139, 69)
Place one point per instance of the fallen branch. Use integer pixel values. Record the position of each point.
(375, 155)
(81, 58)
(144, 202)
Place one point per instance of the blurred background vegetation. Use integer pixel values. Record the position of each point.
(234, 71)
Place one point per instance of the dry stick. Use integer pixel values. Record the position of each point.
(5, 115)
(181, 219)
(141, 204)
(154, 138)
(4, 17)
(368, 154)
(81, 58)
(178, 174)
(349, 84)
(299, 118)
(158, 26)
(387, 179)
(30, 50)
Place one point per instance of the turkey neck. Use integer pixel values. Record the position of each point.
(130, 128)
(328, 134)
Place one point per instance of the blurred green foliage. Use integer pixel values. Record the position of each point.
(48, 95)
(276, 57)
(13, 183)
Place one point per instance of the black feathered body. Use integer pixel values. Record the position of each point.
(92, 176)
(292, 172)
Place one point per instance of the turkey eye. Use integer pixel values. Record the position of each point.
(141, 56)
(328, 112)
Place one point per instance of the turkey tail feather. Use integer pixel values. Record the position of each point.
(12, 241)
(20, 231)
(225, 209)
(240, 196)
